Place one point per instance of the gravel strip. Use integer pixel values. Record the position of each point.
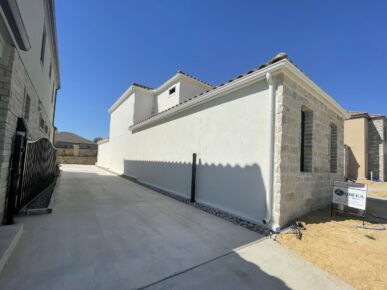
(231, 218)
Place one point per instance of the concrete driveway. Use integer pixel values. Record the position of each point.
(109, 233)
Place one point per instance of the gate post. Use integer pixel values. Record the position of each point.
(15, 172)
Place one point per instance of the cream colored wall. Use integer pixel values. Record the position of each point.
(166, 101)
(232, 172)
(355, 136)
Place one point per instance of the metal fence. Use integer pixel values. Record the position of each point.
(39, 170)
(32, 170)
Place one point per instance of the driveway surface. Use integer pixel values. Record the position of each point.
(106, 232)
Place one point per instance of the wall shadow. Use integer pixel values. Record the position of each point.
(113, 225)
(374, 140)
(238, 190)
(353, 166)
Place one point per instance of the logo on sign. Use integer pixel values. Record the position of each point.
(339, 192)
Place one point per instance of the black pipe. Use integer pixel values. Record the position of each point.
(193, 178)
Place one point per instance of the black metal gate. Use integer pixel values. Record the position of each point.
(32, 170)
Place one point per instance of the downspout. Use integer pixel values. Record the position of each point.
(269, 191)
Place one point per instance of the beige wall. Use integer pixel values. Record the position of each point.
(355, 136)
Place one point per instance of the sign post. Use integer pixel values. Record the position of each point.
(350, 195)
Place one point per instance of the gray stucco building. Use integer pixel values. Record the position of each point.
(29, 75)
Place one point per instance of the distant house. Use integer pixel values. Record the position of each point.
(269, 142)
(74, 149)
(29, 76)
(366, 136)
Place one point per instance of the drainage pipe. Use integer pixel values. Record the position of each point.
(269, 191)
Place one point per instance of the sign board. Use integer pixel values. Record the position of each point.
(350, 194)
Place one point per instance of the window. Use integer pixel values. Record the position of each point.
(2, 48)
(333, 149)
(50, 71)
(27, 105)
(53, 93)
(306, 144)
(42, 124)
(172, 91)
(43, 48)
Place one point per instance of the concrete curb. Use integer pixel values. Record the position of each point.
(12, 245)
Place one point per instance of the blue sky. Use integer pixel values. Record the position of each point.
(104, 46)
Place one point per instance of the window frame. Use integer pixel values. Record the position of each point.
(43, 45)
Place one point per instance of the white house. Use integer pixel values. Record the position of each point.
(269, 142)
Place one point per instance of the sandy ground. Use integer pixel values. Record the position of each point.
(357, 256)
(376, 188)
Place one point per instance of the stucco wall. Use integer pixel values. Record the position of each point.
(230, 136)
(35, 17)
(165, 101)
(296, 192)
(189, 90)
(356, 137)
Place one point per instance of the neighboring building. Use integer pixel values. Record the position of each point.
(269, 142)
(29, 74)
(74, 149)
(366, 136)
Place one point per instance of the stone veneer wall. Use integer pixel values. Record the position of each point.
(377, 148)
(14, 83)
(296, 192)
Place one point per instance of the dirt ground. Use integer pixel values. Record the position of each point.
(357, 256)
(376, 188)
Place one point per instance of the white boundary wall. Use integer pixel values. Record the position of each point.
(230, 135)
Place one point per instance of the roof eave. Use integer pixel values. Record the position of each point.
(15, 21)
(283, 65)
(51, 9)
(127, 94)
(217, 92)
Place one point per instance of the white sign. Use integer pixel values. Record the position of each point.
(350, 194)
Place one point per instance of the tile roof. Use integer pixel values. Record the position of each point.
(354, 115)
(69, 137)
(142, 86)
(377, 116)
(278, 57)
(195, 78)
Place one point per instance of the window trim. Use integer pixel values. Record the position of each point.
(43, 45)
